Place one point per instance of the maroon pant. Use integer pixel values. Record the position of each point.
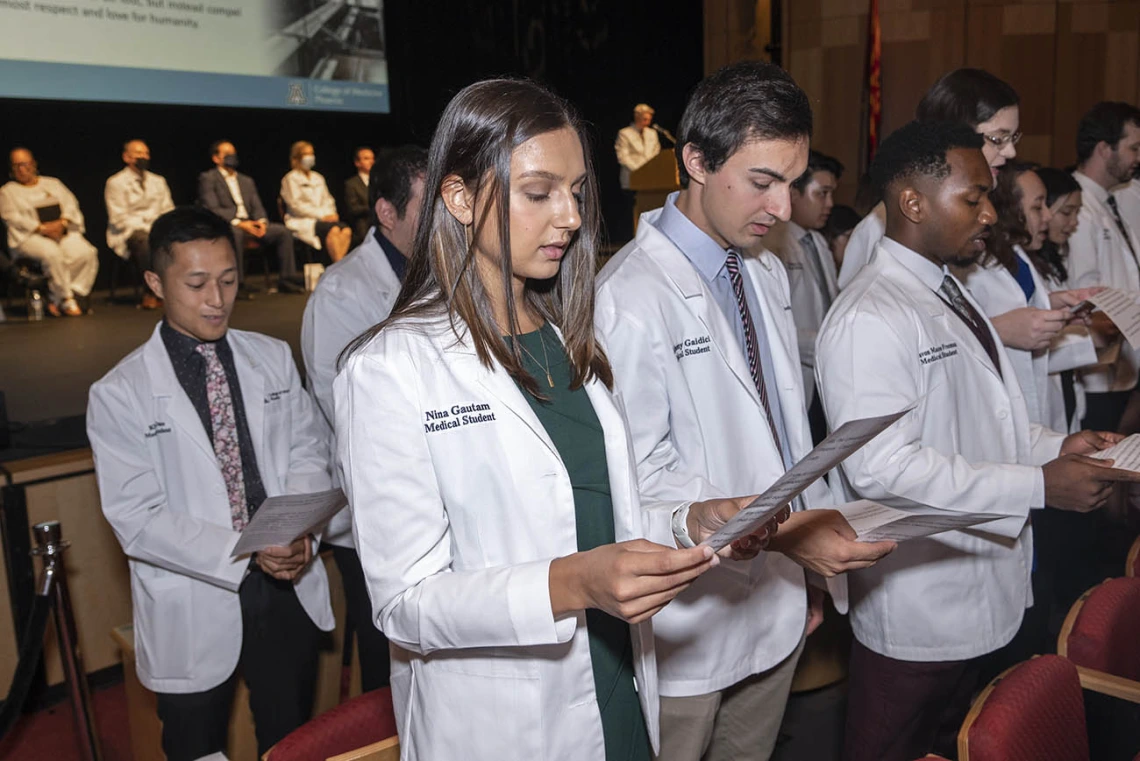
(902, 710)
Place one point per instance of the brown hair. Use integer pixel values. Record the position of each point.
(476, 135)
(1009, 229)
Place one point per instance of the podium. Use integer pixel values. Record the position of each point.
(653, 183)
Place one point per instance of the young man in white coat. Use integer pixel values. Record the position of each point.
(190, 433)
(1104, 250)
(906, 333)
(811, 270)
(704, 354)
(352, 296)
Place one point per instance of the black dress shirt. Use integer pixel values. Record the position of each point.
(190, 369)
(398, 261)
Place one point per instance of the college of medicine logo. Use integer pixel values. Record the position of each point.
(296, 94)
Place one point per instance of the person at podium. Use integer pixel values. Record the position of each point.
(636, 144)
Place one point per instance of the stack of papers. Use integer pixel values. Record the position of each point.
(874, 522)
(1126, 454)
(281, 520)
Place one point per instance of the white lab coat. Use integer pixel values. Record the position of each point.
(1099, 255)
(1128, 199)
(998, 292)
(968, 446)
(699, 431)
(635, 149)
(132, 206)
(861, 245)
(808, 306)
(460, 502)
(307, 199)
(352, 295)
(164, 495)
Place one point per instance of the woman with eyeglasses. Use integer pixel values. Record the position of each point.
(967, 96)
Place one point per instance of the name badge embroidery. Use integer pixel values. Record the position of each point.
(938, 353)
(692, 346)
(457, 416)
(274, 396)
(156, 428)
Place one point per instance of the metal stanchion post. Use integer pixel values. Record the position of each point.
(53, 580)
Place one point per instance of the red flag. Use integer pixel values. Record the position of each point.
(874, 80)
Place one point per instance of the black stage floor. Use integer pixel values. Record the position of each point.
(47, 367)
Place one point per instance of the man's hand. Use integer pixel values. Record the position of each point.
(54, 230)
(1089, 442)
(330, 218)
(823, 541)
(1072, 297)
(1082, 484)
(706, 518)
(286, 563)
(1030, 328)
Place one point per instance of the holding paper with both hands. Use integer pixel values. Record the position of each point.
(279, 530)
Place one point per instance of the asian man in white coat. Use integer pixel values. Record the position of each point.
(190, 433)
(1104, 250)
(906, 332)
(352, 296)
(811, 270)
(703, 347)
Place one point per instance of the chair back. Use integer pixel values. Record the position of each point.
(362, 721)
(385, 750)
(1033, 712)
(1100, 631)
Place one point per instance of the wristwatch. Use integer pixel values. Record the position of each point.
(681, 526)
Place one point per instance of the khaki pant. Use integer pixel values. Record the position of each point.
(740, 723)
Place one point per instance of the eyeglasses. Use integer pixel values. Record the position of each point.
(23, 164)
(1003, 140)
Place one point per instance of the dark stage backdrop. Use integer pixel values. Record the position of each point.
(603, 55)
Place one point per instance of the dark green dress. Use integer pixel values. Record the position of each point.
(573, 427)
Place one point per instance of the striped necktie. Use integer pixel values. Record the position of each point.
(752, 348)
(1121, 226)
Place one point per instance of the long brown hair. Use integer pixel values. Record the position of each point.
(476, 135)
(1009, 230)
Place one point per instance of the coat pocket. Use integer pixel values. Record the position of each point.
(162, 626)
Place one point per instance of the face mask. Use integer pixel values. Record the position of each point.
(308, 162)
(142, 164)
(230, 161)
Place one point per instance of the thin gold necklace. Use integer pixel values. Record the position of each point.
(546, 363)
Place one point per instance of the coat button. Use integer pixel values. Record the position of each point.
(1002, 414)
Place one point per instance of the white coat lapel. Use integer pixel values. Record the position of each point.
(164, 385)
(684, 277)
(623, 490)
(502, 386)
(251, 378)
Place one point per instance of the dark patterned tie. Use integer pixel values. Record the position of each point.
(1121, 226)
(752, 348)
(227, 448)
(952, 295)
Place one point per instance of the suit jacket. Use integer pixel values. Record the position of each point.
(214, 194)
(358, 212)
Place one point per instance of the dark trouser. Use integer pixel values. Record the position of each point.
(1105, 410)
(375, 661)
(279, 664)
(138, 248)
(277, 238)
(902, 710)
(817, 421)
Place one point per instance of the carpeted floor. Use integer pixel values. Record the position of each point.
(49, 735)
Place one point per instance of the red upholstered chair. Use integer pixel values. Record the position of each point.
(1100, 637)
(1033, 712)
(355, 723)
(1132, 567)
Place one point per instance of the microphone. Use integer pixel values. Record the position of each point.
(664, 132)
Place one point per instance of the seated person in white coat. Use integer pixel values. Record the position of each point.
(487, 462)
(704, 350)
(1104, 250)
(310, 209)
(811, 270)
(353, 295)
(190, 433)
(45, 224)
(906, 333)
(135, 197)
(973, 97)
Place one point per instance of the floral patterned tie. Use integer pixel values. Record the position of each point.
(224, 423)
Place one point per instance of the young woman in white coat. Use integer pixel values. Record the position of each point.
(310, 210)
(489, 466)
(973, 97)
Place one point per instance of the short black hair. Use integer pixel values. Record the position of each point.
(751, 100)
(965, 96)
(1058, 183)
(1104, 123)
(392, 176)
(184, 224)
(843, 219)
(919, 149)
(818, 162)
(214, 146)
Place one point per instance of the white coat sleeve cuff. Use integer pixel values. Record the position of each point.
(1037, 500)
(528, 601)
